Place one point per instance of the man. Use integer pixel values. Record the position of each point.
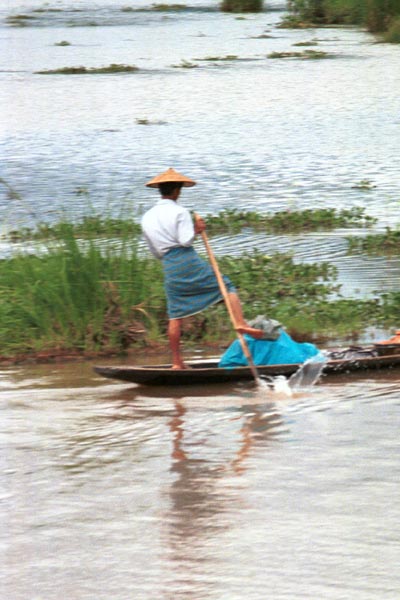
(190, 283)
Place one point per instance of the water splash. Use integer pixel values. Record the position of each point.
(306, 376)
(309, 372)
(282, 386)
(278, 386)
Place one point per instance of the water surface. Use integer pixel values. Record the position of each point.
(212, 492)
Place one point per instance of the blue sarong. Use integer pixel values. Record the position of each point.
(190, 283)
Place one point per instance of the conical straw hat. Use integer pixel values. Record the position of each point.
(170, 176)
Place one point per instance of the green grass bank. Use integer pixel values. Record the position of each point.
(88, 289)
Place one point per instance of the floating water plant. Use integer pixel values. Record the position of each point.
(228, 220)
(113, 68)
(19, 20)
(289, 221)
(145, 121)
(379, 243)
(364, 184)
(262, 36)
(306, 54)
(241, 6)
(310, 43)
(50, 10)
(168, 7)
(185, 64)
(88, 226)
(228, 57)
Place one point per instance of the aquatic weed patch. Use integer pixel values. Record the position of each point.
(87, 227)
(185, 64)
(305, 54)
(365, 185)
(19, 20)
(306, 43)
(378, 243)
(110, 69)
(227, 57)
(168, 7)
(288, 221)
(226, 221)
(211, 60)
(241, 6)
(146, 121)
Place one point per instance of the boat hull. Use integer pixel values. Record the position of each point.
(206, 372)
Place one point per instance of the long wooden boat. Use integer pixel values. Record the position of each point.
(207, 371)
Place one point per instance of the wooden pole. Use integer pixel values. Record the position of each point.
(228, 304)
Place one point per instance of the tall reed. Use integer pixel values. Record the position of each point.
(78, 294)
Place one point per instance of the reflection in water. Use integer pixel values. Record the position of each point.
(203, 496)
(112, 491)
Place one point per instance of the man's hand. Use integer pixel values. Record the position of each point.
(199, 224)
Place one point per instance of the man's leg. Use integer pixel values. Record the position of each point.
(174, 334)
(240, 323)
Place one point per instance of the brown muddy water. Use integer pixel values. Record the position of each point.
(223, 492)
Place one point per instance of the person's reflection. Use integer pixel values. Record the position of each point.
(259, 426)
(203, 501)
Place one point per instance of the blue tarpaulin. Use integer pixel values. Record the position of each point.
(281, 351)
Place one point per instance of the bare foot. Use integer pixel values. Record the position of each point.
(180, 366)
(255, 333)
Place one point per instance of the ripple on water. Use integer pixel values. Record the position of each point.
(164, 493)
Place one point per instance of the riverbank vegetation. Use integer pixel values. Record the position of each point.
(381, 17)
(84, 292)
(377, 16)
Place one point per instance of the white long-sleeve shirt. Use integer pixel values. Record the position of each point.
(167, 225)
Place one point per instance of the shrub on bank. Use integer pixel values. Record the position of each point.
(392, 35)
(329, 11)
(377, 15)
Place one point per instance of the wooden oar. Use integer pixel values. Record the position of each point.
(228, 304)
